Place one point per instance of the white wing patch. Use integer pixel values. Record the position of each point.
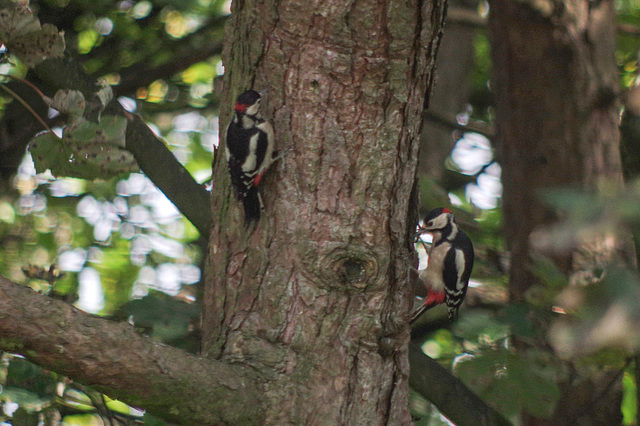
(250, 163)
(460, 267)
(266, 127)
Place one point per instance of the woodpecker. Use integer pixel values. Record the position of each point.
(249, 152)
(450, 263)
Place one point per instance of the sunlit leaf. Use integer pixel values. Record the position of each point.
(77, 400)
(118, 406)
(117, 274)
(629, 405)
(82, 420)
(25, 398)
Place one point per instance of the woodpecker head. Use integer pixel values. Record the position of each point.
(248, 103)
(436, 220)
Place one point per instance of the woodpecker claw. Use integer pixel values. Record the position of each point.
(281, 155)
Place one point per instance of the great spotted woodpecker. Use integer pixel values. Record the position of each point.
(450, 263)
(249, 152)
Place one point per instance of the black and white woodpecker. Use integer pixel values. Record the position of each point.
(249, 152)
(450, 263)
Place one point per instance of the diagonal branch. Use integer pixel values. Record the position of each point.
(169, 175)
(112, 358)
(452, 397)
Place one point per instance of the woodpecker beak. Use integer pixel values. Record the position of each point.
(422, 230)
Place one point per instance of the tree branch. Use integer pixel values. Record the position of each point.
(151, 154)
(110, 357)
(138, 75)
(450, 121)
(168, 174)
(452, 397)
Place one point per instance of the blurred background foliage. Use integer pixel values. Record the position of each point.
(563, 318)
(115, 247)
(119, 248)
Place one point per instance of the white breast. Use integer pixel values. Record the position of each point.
(433, 273)
(249, 164)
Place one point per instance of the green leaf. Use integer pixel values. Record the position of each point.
(23, 35)
(81, 419)
(48, 152)
(69, 101)
(77, 400)
(87, 150)
(117, 275)
(23, 374)
(109, 131)
(118, 406)
(629, 405)
(28, 400)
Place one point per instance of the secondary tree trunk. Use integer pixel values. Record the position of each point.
(555, 82)
(316, 298)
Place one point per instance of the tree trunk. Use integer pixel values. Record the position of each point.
(316, 298)
(555, 82)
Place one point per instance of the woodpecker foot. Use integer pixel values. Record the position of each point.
(280, 155)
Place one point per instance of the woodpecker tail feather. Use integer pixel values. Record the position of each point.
(421, 310)
(251, 206)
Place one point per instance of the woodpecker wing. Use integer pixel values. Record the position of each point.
(246, 152)
(458, 264)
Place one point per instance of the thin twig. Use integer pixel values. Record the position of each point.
(24, 81)
(27, 106)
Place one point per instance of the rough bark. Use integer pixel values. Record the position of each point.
(316, 298)
(112, 358)
(555, 82)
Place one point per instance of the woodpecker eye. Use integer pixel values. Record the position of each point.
(430, 223)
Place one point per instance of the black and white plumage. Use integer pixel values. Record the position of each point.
(249, 151)
(451, 259)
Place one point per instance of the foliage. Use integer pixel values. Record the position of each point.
(78, 224)
(99, 226)
(23, 36)
(592, 325)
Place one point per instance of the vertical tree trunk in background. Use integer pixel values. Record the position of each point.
(450, 92)
(316, 299)
(555, 81)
